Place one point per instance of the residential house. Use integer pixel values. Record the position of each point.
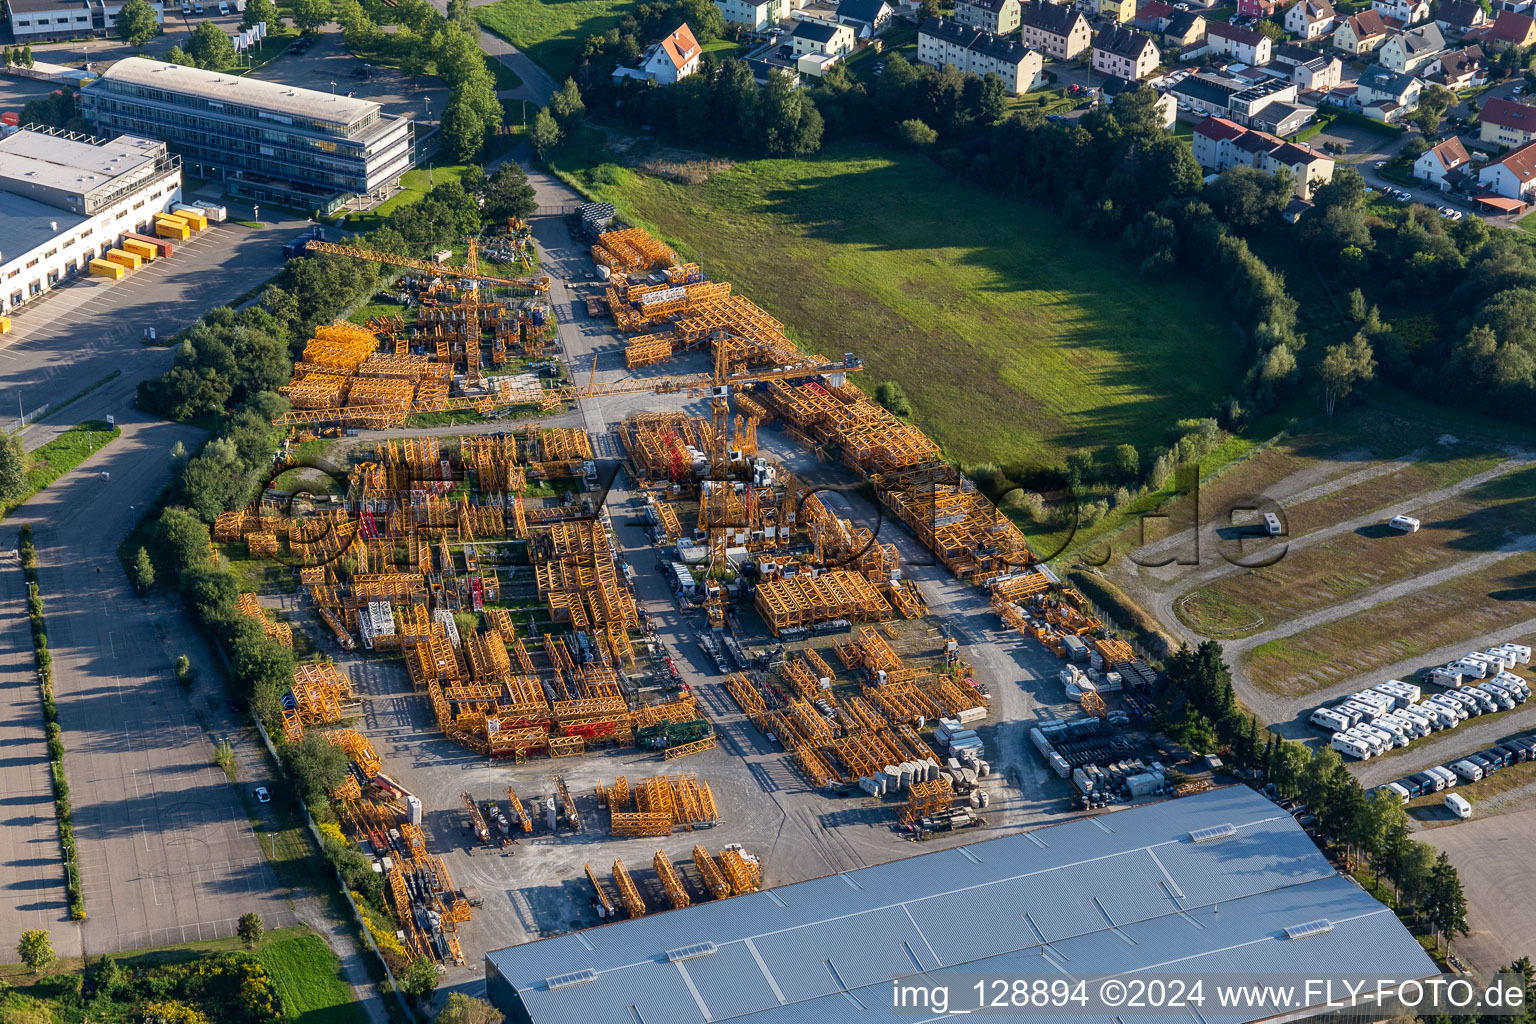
(941, 42)
(1458, 17)
(868, 18)
(998, 17)
(1259, 8)
(1220, 144)
(1511, 29)
(1466, 68)
(1517, 6)
(1412, 50)
(1506, 122)
(1310, 70)
(1152, 16)
(817, 45)
(1443, 165)
(1121, 12)
(1055, 29)
(1166, 106)
(1185, 28)
(1122, 51)
(1235, 97)
(1360, 33)
(1283, 118)
(1513, 175)
(757, 15)
(1311, 19)
(1245, 44)
(1406, 12)
(669, 61)
(1387, 95)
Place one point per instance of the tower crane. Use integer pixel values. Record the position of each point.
(470, 271)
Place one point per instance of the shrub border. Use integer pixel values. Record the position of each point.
(73, 884)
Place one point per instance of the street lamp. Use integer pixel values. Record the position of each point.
(333, 90)
(428, 100)
(272, 842)
(255, 212)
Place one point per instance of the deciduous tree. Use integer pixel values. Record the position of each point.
(137, 23)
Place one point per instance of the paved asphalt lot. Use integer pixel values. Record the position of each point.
(166, 850)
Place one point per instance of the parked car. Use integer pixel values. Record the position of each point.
(263, 795)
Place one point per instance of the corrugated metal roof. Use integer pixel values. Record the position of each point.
(1138, 896)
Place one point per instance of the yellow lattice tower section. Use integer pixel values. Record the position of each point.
(925, 799)
(318, 691)
(250, 605)
(603, 899)
(356, 747)
(671, 882)
(709, 868)
(630, 823)
(628, 894)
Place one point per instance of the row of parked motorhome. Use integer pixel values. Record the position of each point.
(1472, 768)
(1392, 714)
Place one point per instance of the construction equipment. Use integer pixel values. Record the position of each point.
(714, 878)
(476, 819)
(629, 895)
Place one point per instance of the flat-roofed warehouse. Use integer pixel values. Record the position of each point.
(66, 199)
(271, 142)
(1118, 893)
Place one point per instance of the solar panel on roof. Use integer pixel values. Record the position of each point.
(692, 952)
(1205, 835)
(580, 977)
(1302, 931)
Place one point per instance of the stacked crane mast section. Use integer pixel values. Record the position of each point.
(729, 872)
(396, 558)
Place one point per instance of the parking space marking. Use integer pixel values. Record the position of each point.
(144, 831)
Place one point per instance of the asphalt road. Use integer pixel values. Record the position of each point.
(166, 850)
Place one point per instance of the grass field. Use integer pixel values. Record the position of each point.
(1498, 596)
(1344, 566)
(309, 982)
(59, 456)
(1015, 338)
(552, 33)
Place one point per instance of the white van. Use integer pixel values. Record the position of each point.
(1272, 524)
(1407, 524)
(1467, 770)
(1458, 805)
(1397, 791)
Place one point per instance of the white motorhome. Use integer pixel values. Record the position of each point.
(1522, 653)
(1469, 667)
(1398, 791)
(1484, 699)
(1426, 725)
(1327, 718)
(1442, 700)
(1352, 746)
(1449, 777)
(1459, 805)
(1514, 684)
(1506, 659)
(1491, 687)
(1407, 524)
(1450, 675)
(1439, 717)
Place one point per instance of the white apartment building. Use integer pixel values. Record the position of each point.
(941, 42)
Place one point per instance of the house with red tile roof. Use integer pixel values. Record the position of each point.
(1443, 165)
(1513, 175)
(1506, 122)
(669, 61)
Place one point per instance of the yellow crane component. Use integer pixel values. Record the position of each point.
(1093, 704)
(519, 811)
(472, 272)
(628, 894)
(602, 894)
(714, 878)
(670, 882)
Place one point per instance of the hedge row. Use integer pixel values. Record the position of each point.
(44, 658)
